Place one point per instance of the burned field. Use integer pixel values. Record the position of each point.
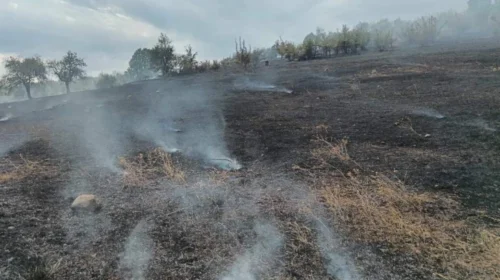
(380, 166)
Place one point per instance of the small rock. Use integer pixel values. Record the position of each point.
(86, 202)
(10, 228)
(427, 136)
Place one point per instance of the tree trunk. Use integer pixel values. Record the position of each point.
(28, 90)
(67, 87)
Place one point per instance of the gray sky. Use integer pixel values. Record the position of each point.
(107, 32)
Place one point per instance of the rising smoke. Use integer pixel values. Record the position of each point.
(137, 253)
(336, 263)
(259, 257)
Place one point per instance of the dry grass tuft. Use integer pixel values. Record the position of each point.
(140, 170)
(219, 177)
(376, 210)
(43, 270)
(18, 169)
(333, 155)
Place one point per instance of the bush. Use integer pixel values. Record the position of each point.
(106, 81)
(361, 35)
(423, 31)
(383, 40)
(215, 65)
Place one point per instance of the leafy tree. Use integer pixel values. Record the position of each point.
(106, 81)
(286, 49)
(202, 66)
(331, 41)
(215, 65)
(309, 52)
(187, 62)
(24, 72)
(162, 55)
(68, 69)
(383, 40)
(362, 35)
(423, 31)
(140, 64)
(345, 42)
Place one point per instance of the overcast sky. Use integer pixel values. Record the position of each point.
(107, 32)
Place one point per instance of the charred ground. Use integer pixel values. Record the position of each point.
(428, 118)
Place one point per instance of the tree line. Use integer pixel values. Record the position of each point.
(145, 63)
(481, 17)
(28, 71)
(162, 60)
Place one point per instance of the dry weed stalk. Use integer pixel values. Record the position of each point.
(406, 123)
(140, 170)
(331, 154)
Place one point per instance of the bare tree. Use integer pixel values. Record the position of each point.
(243, 54)
(68, 69)
(24, 72)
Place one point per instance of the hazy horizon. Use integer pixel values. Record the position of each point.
(107, 32)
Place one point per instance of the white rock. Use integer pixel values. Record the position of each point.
(87, 202)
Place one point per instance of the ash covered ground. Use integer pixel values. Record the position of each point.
(225, 176)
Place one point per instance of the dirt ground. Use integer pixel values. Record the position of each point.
(428, 118)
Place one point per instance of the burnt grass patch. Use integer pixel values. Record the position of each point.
(397, 183)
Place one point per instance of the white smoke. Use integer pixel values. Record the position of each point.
(258, 258)
(248, 85)
(427, 112)
(138, 252)
(6, 117)
(480, 123)
(337, 264)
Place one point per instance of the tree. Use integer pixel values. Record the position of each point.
(139, 66)
(423, 31)
(383, 40)
(68, 69)
(23, 72)
(162, 55)
(309, 52)
(187, 62)
(106, 81)
(362, 35)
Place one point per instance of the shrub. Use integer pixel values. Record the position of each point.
(423, 31)
(106, 81)
(215, 65)
(383, 40)
(361, 35)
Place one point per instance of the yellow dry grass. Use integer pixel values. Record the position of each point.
(22, 168)
(140, 170)
(378, 210)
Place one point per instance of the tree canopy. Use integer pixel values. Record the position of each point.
(162, 55)
(140, 66)
(23, 72)
(68, 69)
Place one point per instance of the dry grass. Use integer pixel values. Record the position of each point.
(376, 210)
(140, 170)
(18, 169)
